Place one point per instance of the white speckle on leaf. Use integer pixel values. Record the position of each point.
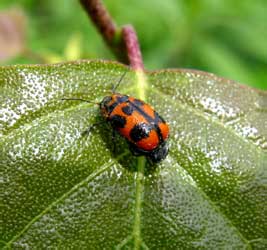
(214, 106)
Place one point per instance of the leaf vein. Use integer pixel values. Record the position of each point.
(91, 177)
(201, 114)
(218, 210)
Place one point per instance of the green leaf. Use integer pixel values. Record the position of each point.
(62, 189)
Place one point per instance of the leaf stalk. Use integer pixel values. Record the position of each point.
(122, 41)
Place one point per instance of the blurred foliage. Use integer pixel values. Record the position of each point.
(220, 36)
(12, 34)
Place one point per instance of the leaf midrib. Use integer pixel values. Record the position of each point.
(138, 202)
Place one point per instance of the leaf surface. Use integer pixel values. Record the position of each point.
(63, 189)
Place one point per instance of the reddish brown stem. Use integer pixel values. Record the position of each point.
(123, 42)
(132, 47)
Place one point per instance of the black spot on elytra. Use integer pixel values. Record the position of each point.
(123, 98)
(140, 131)
(128, 110)
(111, 107)
(138, 103)
(117, 121)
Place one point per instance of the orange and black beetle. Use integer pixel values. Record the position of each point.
(142, 127)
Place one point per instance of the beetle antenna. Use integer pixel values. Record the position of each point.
(78, 99)
(118, 83)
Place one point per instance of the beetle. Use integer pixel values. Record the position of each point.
(143, 128)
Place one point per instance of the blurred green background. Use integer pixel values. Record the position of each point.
(225, 37)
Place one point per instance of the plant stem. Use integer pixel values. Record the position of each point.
(132, 47)
(123, 42)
